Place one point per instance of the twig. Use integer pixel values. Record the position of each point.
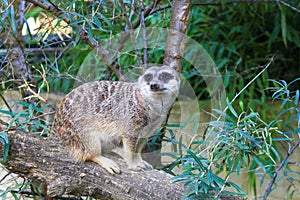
(43, 115)
(214, 3)
(84, 36)
(129, 28)
(160, 9)
(4, 177)
(290, 152)
(9, 5)
(289, 5)
(21, 10)
(6, 103)
(144, 34)
(27, 87)
(147, 12)
(53, 9)
(244, 88)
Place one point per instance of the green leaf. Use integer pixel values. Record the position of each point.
(252, 115)
(296, 101)
(287, 122)
(246, 135)
(226, 80)
(220, 124)
(257, 161)
(295, 80)
(287, 110)
(97, 22)
(195, 157)
(223, 114)
(5, 141)
(231, 108)
(107, 21)
(284, 102)
(12, 20)
(241, 105)
(28, 29)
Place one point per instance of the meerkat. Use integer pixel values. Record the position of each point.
(100, 117)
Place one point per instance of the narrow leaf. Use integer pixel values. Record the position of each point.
(231, 108)
(5, 141)
(297, 97)
(12, 20)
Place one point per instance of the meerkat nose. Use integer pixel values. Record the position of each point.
(154, 86)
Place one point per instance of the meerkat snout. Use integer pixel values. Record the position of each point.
(155, 87)
(96, 118)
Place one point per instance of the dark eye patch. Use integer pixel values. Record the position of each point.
(165, 77)
(148, 77)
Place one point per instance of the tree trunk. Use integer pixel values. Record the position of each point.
(180, 19)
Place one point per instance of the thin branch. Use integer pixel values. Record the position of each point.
(9, 5)
(42, 115)
(214, 3)
(136, 24)
(289, 5)
(52, 9)
(244, 88)
(21, 10)
(147, 12)
(129, 27)
(144, 34)
(160, 9)
(84, 36)
(290, 152)
(132, 10)
(6, 103)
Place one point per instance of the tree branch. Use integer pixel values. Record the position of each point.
(13, 41)
(142, 17)
(180, 18)
(113, 65)
(290, 152)
(129, 27)
(215, 3)
(44, 160)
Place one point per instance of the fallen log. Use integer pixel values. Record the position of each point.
(44, 160)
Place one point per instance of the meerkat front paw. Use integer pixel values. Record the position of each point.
(140, 166)
(109, 165)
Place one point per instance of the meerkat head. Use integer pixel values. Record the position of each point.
(159, 82)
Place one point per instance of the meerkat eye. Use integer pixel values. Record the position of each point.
(165, 77)
(148, 77)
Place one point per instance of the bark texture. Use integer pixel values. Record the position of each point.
(180, 18)
(45, 160)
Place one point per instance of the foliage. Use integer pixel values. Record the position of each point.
(240, 139)
(238, 36)
(5, 142)
(31, 119)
